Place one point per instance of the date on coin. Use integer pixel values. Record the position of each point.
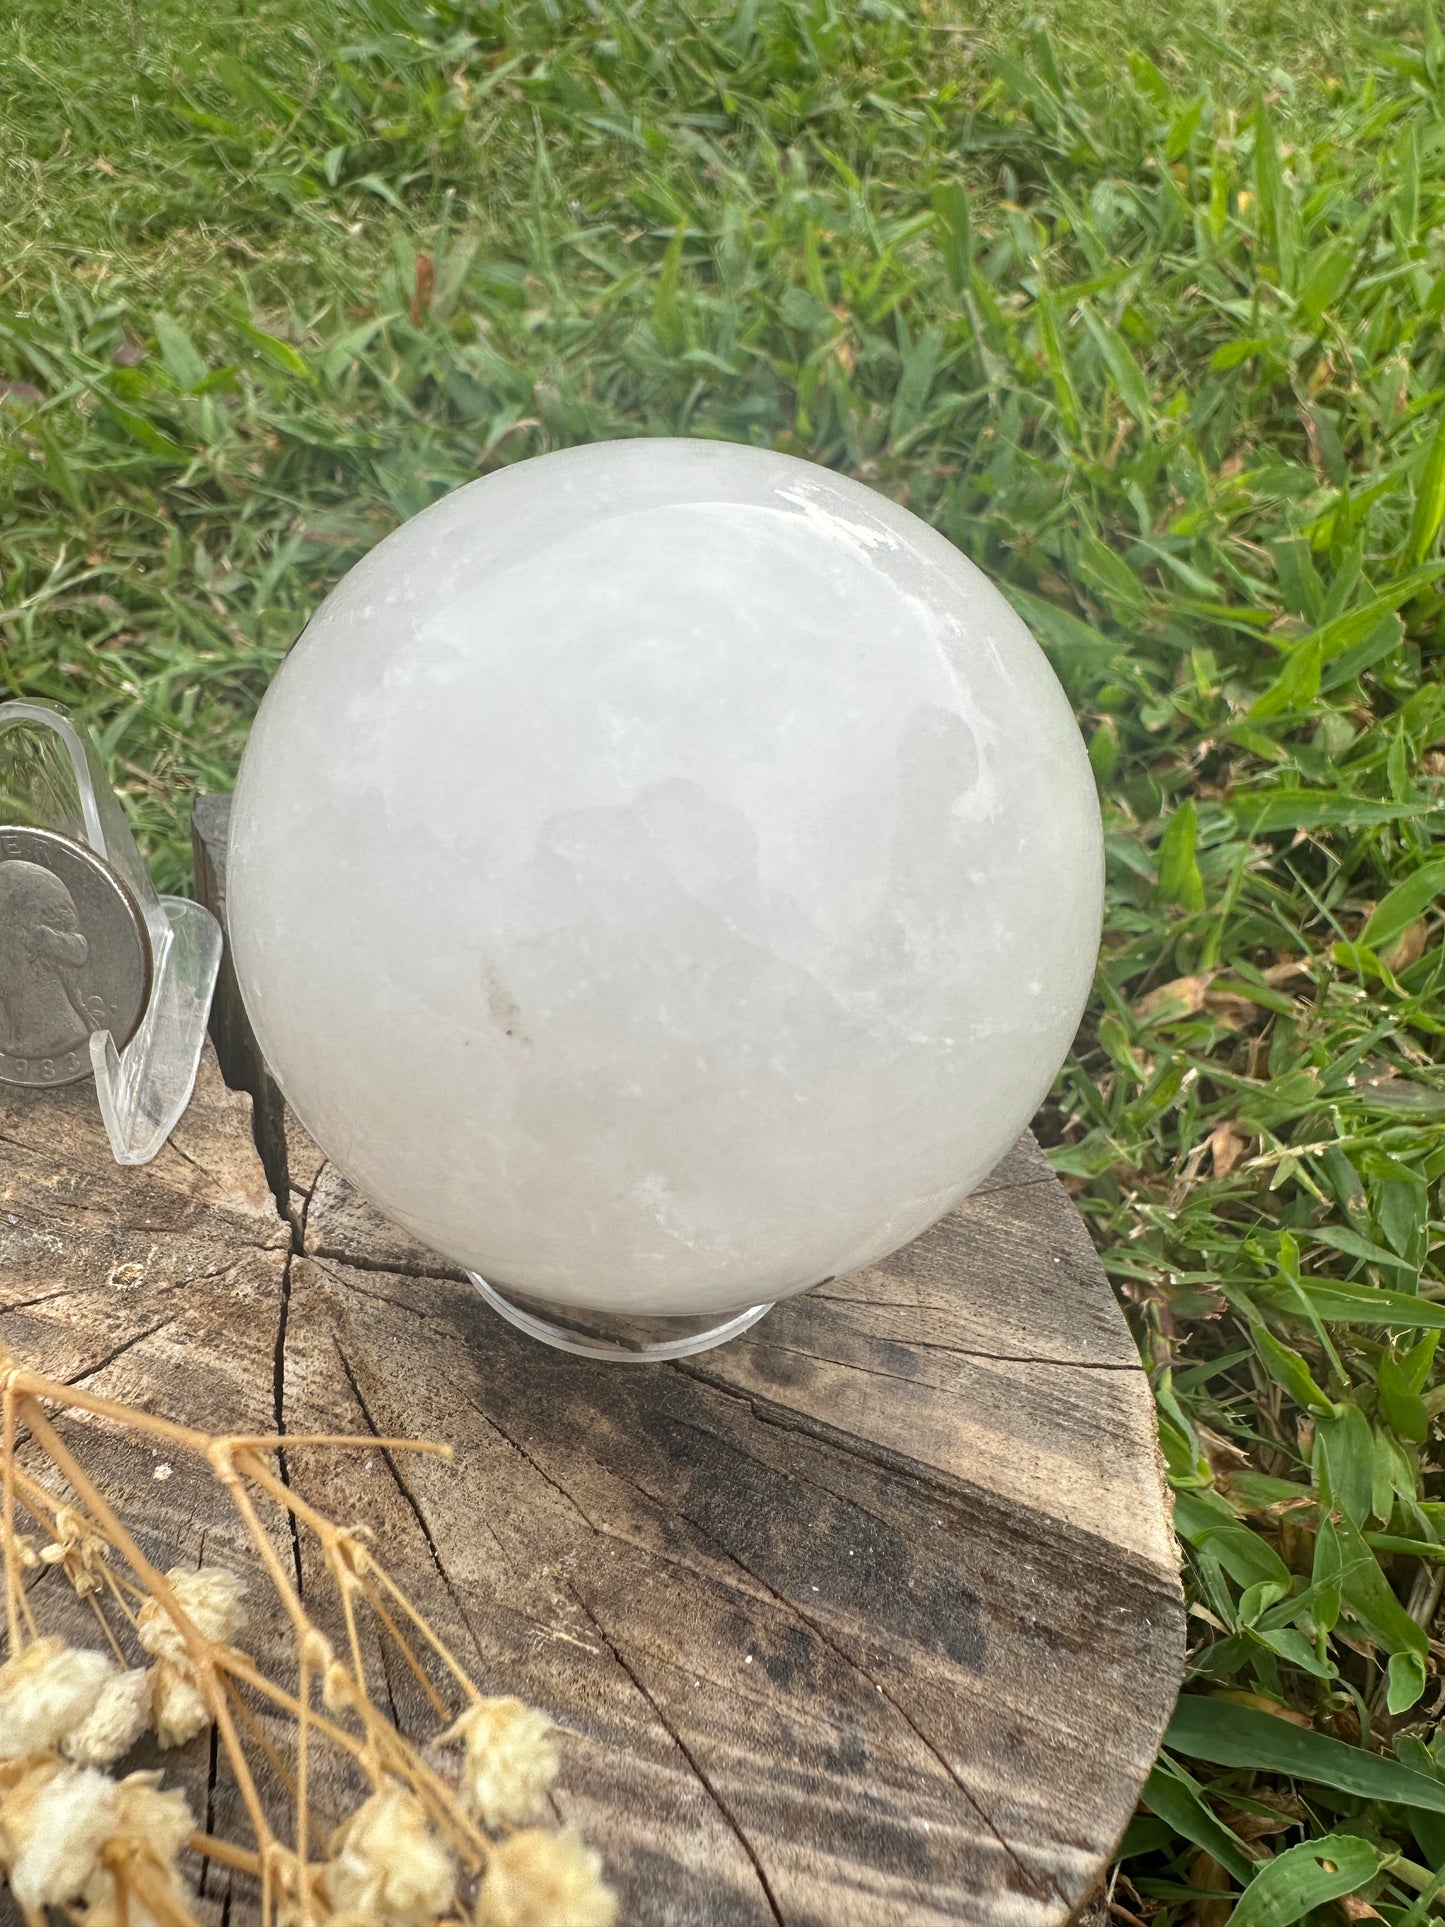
(75, 956)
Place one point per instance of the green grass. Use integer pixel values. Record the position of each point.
(1149, 321)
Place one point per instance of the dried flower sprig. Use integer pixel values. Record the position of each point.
(418, 1844)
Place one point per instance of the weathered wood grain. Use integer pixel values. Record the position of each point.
(161, 1285)
(869, 1619)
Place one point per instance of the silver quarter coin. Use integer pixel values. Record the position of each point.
(75, 956)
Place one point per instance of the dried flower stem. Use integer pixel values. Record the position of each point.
(403, 1846)
(13, 1592)
(160, 1588)
(134, 1418)
(348, 1560)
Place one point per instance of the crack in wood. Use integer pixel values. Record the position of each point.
(695, 1766)
(212, 1773)
(914, 1342)
(384, 1656)
(879, 1458)
(278, 1401)
(300, 1229)
(152, 1288)
(186, 1158)
(205, 1277)
(43, 1157)
(794, 1609)
(129, 1344)
(381, 1267)
(412, 1502)
(936, 1486)
(563, 1492)
(106, 1220)
(41, 1298)
(361, 1291)
(790, 1609)
(849, 1365)
(394, 1267)
(787, 1606)
(698, 1774)
(596, 1526)
(39, 1150)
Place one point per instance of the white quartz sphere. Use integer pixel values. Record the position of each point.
(665, 875)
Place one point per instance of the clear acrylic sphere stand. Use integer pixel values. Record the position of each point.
(51, 778)
(619, 1337)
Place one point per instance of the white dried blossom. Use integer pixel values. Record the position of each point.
(544, 1879)
(510, 1760)
(316, 1650)
(178, 1707)
(387, 1865)
(161, 1822)
(150, 1830)
(337, 1691)
(78, 1548)
(115, 1722)
(46, 1691)
(53, 1823)
(210, 1597)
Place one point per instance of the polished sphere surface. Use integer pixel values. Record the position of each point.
(665, 875)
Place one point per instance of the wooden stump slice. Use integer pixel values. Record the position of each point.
(870, 1618)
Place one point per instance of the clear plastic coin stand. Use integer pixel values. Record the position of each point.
(54, 794)
(617, 1336)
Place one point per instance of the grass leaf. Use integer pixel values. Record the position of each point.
(1174, 1796)
(1400, 907)
(1429, 509)
(1179, 878)
(950, 205)
(1304, 1877)
(1232, 1735)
